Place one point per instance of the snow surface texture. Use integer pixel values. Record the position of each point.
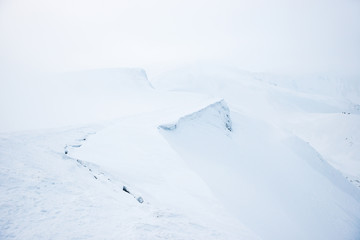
(267, 162)
(280, 180)
(217, 113)
(320, 110)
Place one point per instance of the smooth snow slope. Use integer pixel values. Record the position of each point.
(193, 166)
(134, 149)
(68, 183)
(46, 194)
(49, 101)
(322, 111)
(273, 182)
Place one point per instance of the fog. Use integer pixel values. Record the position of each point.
(40, 39)
(279, 36)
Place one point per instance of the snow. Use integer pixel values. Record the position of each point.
(73, 98)
(217, 114)
(199, 153)
(310, 107)
(278, 186)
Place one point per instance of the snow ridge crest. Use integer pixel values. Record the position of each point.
(216, 114)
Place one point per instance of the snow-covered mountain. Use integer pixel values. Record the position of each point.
(195, 153)
(322, 111)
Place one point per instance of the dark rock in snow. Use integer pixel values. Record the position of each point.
(125, 189)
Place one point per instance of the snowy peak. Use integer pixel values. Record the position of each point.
(216, 114)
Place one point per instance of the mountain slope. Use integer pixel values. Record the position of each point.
(222, 154)
(322, 111)
(275, 183)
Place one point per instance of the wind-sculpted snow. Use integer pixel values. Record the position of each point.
(323, 111)
(135, 151)
(216, 114)
(279, 187)
(210, 172)
(47, 192)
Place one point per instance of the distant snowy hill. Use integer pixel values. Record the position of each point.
(198, 153)
(73, 98)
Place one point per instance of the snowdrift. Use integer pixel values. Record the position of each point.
(275, 183)
(134, 151)
(179, 164)
(216, 114)
(323, 111)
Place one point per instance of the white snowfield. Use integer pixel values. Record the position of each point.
(201, 153)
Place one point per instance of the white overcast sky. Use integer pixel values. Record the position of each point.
(290, 36)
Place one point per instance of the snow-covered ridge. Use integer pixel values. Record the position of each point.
(136, 74)
(216, 114)
(63, 99)
(106, 80)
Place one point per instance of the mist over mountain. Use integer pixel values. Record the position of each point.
(180, 120)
